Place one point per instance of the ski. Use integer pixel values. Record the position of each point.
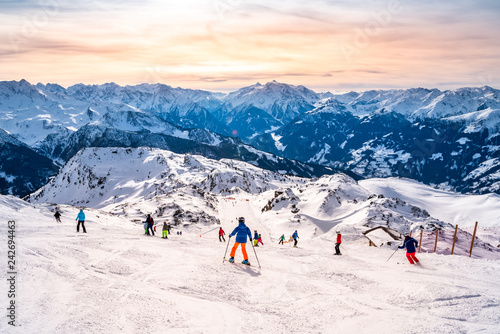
(239, 263)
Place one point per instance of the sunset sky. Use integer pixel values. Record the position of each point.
(222, 45)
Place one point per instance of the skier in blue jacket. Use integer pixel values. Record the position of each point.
(256, 239)
(295, 237)
(81, 220)
(241, 232)
(410, 245)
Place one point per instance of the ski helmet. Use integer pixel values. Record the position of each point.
(241, 219)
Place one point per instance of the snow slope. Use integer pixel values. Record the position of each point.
(114, 279)
(448, 206)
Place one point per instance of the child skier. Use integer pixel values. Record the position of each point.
(165, 231)
(260, 240)
(410, 244)
(281, 239)
(241, 232)
(295, 237)
(337, 245)
(256, 239)
(221, 235)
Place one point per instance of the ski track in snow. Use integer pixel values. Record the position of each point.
(114, 279)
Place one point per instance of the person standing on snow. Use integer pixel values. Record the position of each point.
(221, 235)
(295, 237)
(81, 220)
(260, 240)
(282, 238)
(255, 239)
(337, 244)
(57, 216)
(241, 232)
(164, 232)
(150, 222)
(410, 244)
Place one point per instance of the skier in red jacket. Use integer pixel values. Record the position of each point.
(221, 235)
(337, 245)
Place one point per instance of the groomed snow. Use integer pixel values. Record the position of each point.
(116, 280)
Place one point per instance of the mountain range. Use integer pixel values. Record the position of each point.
(448, 139)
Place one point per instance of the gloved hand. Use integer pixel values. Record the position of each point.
(250, 239)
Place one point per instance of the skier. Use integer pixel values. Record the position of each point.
(410, 244)
(260, 240)
(165, 231)
(81, 220)
(295, 237)
(241, 232)
(150, 222)
(255, 239)
(337, 245)
(221, 235)
(281, 239)
(57, 216)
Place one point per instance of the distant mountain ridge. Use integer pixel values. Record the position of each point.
(446, 138)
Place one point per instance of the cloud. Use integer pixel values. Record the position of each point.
(425, 43)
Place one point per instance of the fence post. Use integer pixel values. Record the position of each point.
(436, 243)
(454, 239)
(420, 243)
(472, 242)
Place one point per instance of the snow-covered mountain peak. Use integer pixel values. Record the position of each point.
(114, 178)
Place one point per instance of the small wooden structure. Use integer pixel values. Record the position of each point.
(381, 235)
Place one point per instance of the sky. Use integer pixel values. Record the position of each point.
(223, 45)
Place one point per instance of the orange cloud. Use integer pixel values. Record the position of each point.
(225, 44)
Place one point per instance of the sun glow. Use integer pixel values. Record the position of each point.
(227, 44)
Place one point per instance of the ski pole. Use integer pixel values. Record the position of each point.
(209, 231)
(255, 253)
(392, 254)
(344, 249)
(224, 259)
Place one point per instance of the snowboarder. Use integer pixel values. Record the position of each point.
(255, 239)
(241, 232)
(282, 238)
(150, 222)
(295, 237)
(164, 233)
(81, 220)
(337, 245)
(260, 240)
(221, 235)
(410, 244)
(57, 216)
